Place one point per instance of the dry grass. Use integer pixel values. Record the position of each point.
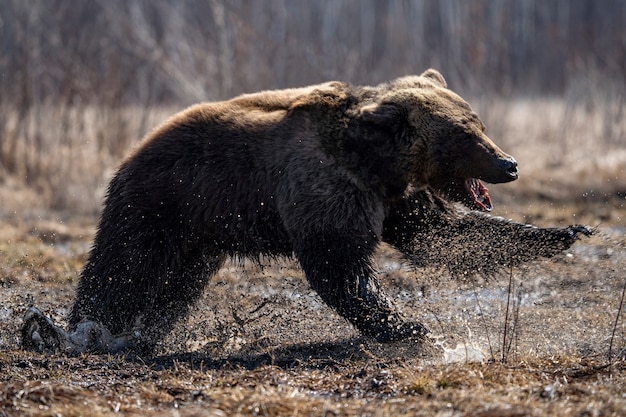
(100, 386)
(565, 151)
(66, 154)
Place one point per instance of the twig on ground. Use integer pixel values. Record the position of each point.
(506, 315)
(482, 319)
(619, 310)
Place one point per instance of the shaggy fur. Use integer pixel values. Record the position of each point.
(430, 231)
(322, 173)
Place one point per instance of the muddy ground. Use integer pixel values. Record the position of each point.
(260, 342)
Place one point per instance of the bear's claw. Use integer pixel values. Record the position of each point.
(39, 333)
(576, 229)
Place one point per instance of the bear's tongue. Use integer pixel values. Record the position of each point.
(478, 194)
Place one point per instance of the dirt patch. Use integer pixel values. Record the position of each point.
(260, 342)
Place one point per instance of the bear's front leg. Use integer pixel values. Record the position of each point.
(339, 270)
(430, 232)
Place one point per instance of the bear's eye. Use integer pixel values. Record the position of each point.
(474, 120)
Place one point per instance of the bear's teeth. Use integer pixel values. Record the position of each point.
(479, 194)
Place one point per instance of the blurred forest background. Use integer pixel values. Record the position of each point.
(82, 81)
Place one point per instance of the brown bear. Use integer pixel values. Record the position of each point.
(323, 173)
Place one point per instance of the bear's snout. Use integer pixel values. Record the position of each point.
(509, 166)
(502, 168)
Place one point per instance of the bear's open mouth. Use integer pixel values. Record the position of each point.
(478, 193)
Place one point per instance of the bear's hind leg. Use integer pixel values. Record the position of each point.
(177, 297)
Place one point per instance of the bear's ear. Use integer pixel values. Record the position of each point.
(436, 77)
(383, 115)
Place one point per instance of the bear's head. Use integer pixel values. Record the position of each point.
(442, 142)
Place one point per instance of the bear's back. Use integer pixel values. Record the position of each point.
(272, 100)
